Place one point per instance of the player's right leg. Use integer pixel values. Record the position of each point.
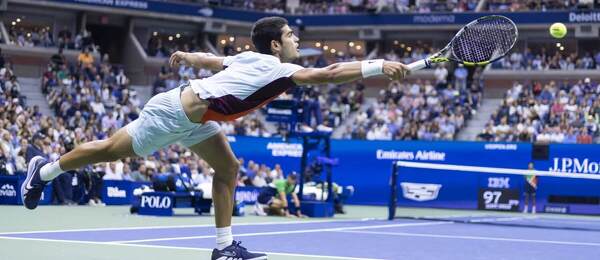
(526, 202)
(116, 147)
(159, 124)
(217, 152)
(40, 172)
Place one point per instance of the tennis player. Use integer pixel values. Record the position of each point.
(530, 188)
(187, 115)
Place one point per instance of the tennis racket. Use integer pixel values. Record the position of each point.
(480, 42)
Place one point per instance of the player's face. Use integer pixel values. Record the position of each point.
(289, 45)
(291, 181)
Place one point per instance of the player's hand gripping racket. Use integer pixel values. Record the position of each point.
(480, 42)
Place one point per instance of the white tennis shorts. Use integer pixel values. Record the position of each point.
(163, 122)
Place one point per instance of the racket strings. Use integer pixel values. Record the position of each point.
(485, 40)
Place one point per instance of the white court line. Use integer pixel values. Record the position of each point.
(474, 238)
(182, 226)
(286, 232)
(177, 248)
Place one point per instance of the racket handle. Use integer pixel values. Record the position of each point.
(417, 65)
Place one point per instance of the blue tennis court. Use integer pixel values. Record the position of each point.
(348, 239)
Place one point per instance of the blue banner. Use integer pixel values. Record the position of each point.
(248, 195)
(10, 191)
(157, 204)
(342, 20)
(366, 165)
(269, 151)
(117, 192)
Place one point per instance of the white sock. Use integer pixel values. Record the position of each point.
(50, 171)
(525, 210)
(533, 209)
(224, 237)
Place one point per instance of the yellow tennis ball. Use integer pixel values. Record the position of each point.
(558, 30)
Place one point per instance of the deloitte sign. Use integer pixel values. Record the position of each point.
(588, 17)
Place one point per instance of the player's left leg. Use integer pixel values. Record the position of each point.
(532, 196)
(216, 151)
(276, 207)
(40, 172)
(526, 202)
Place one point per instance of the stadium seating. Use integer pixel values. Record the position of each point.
(563, 112)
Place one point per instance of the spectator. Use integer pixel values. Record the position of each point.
(85, 59)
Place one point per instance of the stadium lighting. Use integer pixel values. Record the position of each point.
(332, 51)
(231, 39)
(325, 47)
(351, 44)
(18, 20)
(239, 49)
(562, 48)
(317, 44)
(28, 35)
(170, 38)
(247, 47)
(358, 47)
(340, 53)
(223, 42)
(558, 44)
(408, 48)
(155, 34)
(395, 42)
(402, 45)
(14, 23)
(178, 36)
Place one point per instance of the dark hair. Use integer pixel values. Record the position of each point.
(293, 176)
(266, 30)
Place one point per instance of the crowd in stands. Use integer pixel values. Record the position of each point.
(397, 6)
(369, 6)
(12, 151)
(564, 112)
(347, 6)
(546, 60)
(422, 110)
(26, 133)
(43, 37)
(325, 106)
(163, 46)
(537, 5)
(408, 55)
(258, 175)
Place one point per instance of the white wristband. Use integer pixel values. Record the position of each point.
(371, 67)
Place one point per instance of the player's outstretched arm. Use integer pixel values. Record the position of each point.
(350, 71)
(197, 59)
